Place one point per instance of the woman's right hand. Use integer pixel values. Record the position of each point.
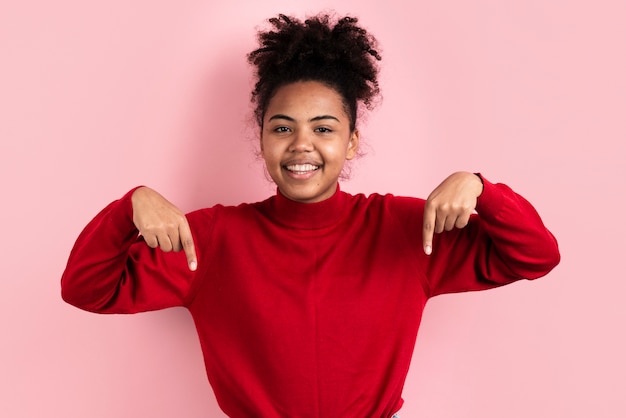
(162, 224)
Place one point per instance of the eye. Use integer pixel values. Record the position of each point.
(323, 130)
(281, 129)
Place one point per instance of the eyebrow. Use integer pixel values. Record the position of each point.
(314, 119)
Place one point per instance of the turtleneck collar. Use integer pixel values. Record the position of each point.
(299, 215)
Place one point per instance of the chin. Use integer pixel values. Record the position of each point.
(303, 198)
(308, 196)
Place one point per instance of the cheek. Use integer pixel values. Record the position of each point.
(269, 155)
(264, 148)
(338, 152)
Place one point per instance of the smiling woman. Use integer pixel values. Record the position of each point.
(306, 140)
(293, 296)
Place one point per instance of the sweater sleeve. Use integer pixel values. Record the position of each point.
(506, 241)
(111, 269)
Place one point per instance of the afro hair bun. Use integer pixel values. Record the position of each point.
(336, 52)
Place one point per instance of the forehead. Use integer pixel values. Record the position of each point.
(306, 98)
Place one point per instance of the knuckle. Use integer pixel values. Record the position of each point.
(146, 229)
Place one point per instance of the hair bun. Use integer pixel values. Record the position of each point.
(337, 52)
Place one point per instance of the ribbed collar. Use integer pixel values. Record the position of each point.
(299, 215)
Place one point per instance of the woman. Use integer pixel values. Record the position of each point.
(308, 304)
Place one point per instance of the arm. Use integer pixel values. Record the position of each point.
(505, 241)
(112, 269)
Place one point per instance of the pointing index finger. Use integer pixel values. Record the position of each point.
(428, 228)
(186, 239)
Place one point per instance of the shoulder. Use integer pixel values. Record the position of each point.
(386, 202)
(220, 213)
(388, 208)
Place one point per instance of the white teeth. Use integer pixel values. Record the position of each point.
(302, 168)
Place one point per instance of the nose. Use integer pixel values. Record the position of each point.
(302, 142)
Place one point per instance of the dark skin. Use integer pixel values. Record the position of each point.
(448, 206)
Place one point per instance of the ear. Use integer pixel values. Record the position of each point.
(353, 145)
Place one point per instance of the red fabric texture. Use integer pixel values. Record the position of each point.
(308, 310)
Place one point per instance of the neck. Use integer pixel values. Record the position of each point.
(307, 215)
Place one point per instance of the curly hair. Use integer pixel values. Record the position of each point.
(336, 52)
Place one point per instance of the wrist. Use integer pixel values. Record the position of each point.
(480, 185)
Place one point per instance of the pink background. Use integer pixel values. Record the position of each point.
(96, 97)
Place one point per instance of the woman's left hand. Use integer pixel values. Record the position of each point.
(450, 205)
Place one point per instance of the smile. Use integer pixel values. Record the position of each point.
(302, 168)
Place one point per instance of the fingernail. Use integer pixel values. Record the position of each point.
(193, 265)
(428, 249)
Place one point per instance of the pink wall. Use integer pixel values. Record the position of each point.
(97, 98)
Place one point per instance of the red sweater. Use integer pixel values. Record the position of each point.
(308, 310)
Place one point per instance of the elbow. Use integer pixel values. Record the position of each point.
(70, 295)
(78, 301)
(553, 255)
(554, 259)
(547, 259)
(73, 294)
(79, 291)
